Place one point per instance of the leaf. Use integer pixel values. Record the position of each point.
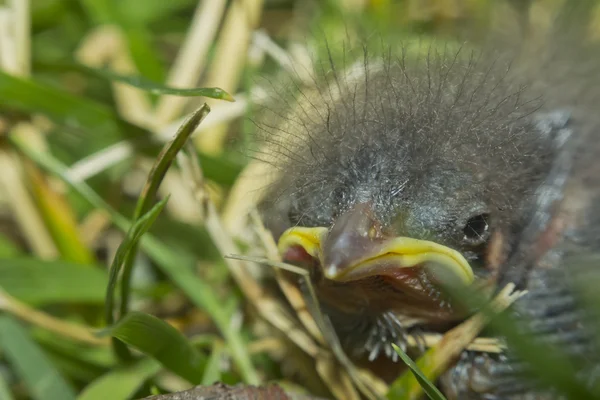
(144, 56)
(74, 369)
(100, 11)
(212, 373)
(100, 357)
(137, 34)
(403, 388)
(121, 383)
(153, 10)
(128, 244)
(160, 341)
(155, 88)
(179, 269)
(65, 109)
(40, 282)
(78, 362)
(5, 390)
(7, 247)
(143, 83)
(177, 266)
(41, 378)
(150, 189)
(221, 170)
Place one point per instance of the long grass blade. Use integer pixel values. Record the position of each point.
(397, 391)
(40, 376)
(160, 341)
(121, 383)
(178, 267)
(40, 282)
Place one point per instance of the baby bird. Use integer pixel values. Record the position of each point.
(401, 173)
(411, 166)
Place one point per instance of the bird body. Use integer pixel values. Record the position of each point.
(410, 166)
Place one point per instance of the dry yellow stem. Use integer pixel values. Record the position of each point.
(43, 320)
(242, 18)
(107, 44)
(191, 59)
(23, 207)
(21, 26)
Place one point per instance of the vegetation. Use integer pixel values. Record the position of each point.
(124, 197)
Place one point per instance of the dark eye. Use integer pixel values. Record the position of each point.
(477, 229)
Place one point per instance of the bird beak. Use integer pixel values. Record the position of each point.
(355, 248)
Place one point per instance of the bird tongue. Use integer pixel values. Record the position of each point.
(356, 248)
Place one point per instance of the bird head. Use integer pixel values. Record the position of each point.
(401, 173)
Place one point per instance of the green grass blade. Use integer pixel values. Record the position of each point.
(212, 372)
(136, 33)
(176, 266)
(51, 164)
(99, 11)
(143, 83)
(41, 378)
(100, 357)
(65, 109)
(179, 269)
(158, 172)
(40, 282)
(5, 392)
(8, 248)
(123, 260)
(153, 10)
(155, 88)
(74, 369)
(128, 245)
(404, 387)
(144, 56)
(160, 341)
(121, 383)
(219, 169)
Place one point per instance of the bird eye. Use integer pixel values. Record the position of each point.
(477, 229)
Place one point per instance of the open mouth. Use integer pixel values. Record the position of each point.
(387, 257)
